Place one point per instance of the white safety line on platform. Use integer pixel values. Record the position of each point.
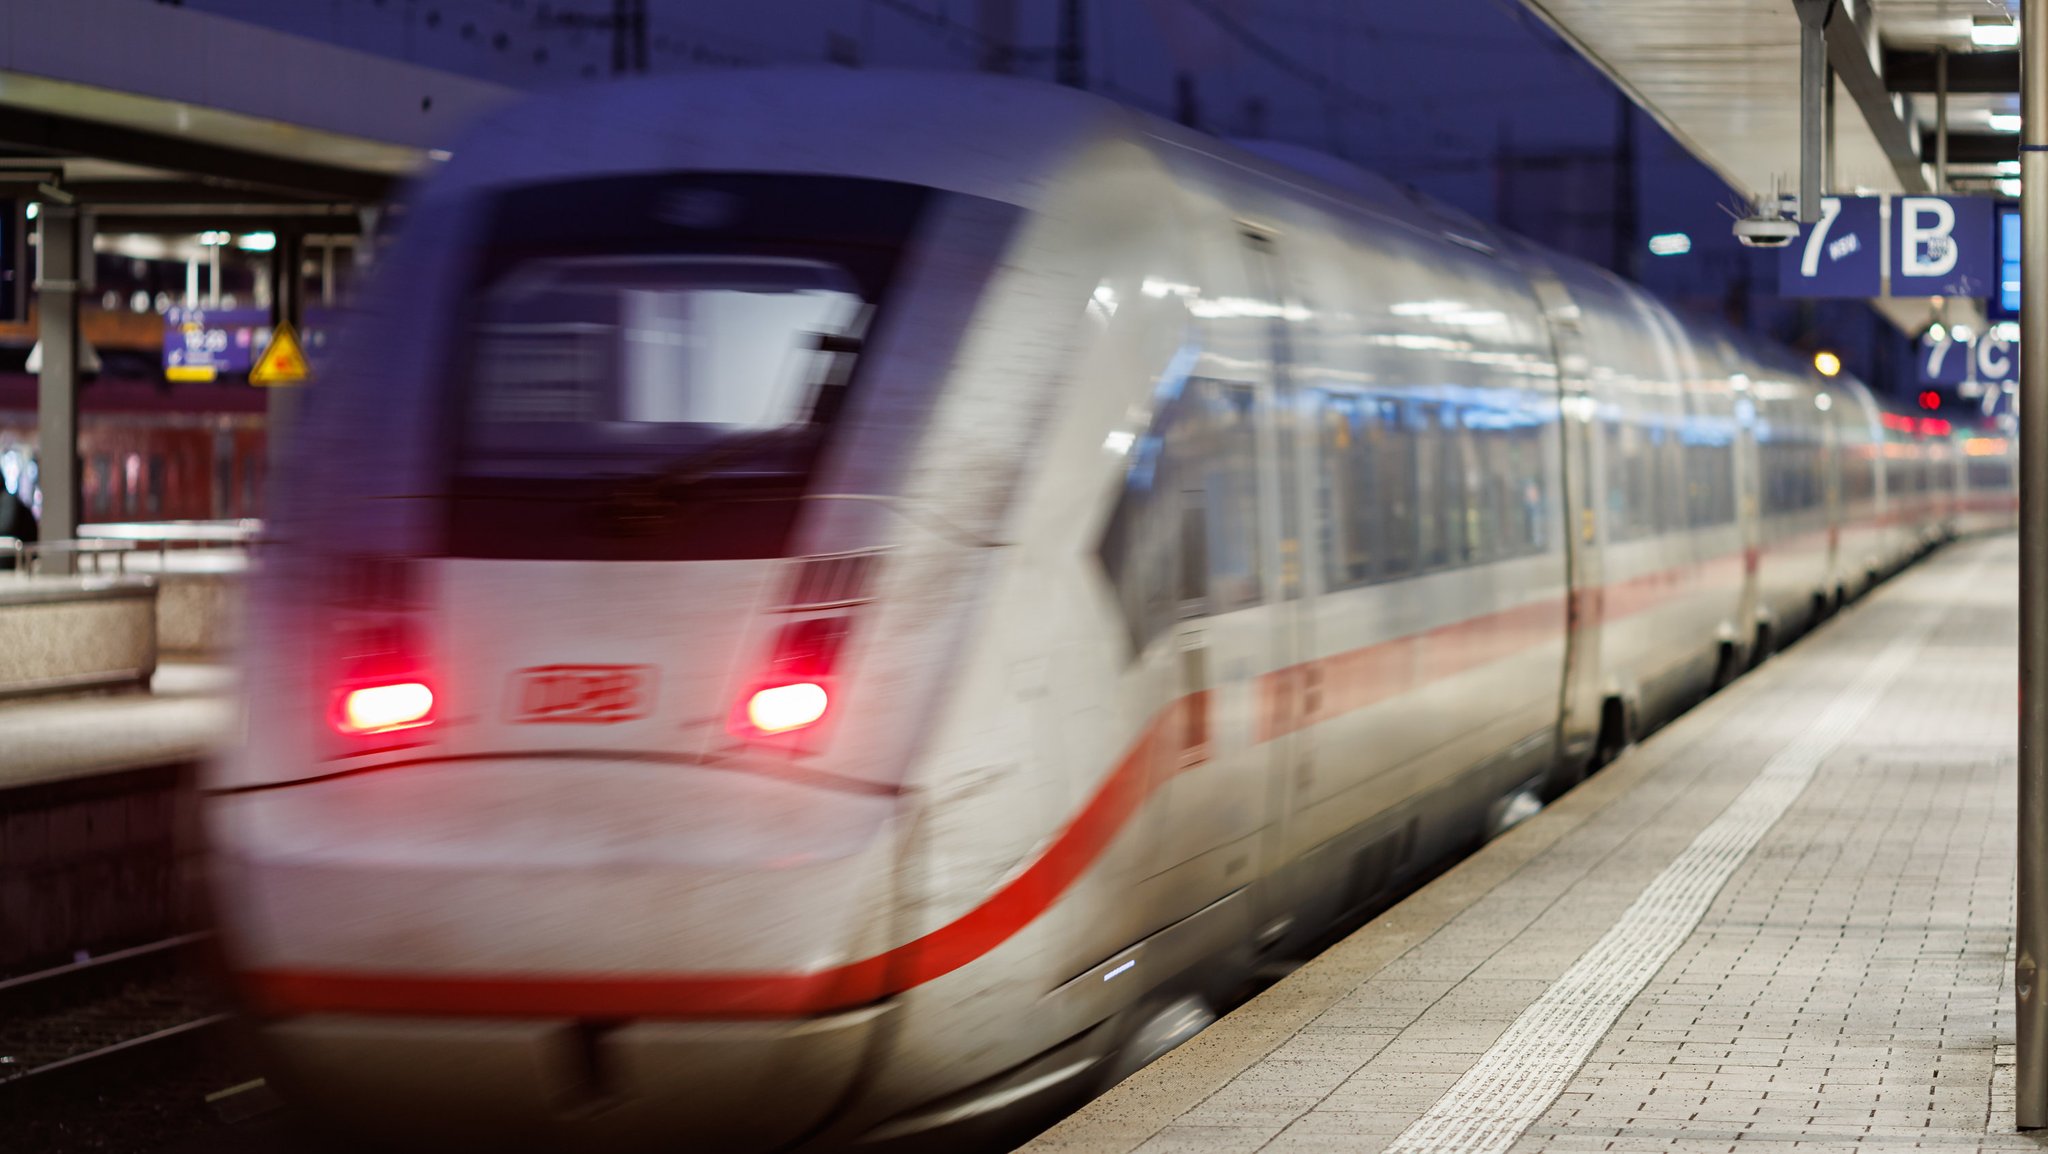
(1517, 1080)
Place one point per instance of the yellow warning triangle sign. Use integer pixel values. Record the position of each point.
(283, 362)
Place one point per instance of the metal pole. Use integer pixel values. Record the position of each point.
(57, 387)
(1813, 74)
(1070, 60)
(213, 276)
(996, 22)
(1941, 120)
(1831, 185)
(287, 295)
(2031, 1110)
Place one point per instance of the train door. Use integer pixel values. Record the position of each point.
(1749, 516)
(1831, 491)
(1292, 696)
(1580, 696)
(1232, 642)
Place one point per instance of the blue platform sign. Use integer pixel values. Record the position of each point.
(208, 344)
(1839, 255)
(1987, 358)
(1944, 246)
(1937, 246)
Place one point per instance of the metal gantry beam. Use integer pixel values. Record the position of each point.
(1996, 73)
(1975, 147)
(2031, 934)
(1849, 52)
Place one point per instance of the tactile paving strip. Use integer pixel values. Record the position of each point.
(1511, 1086)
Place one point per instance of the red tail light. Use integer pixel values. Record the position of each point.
(783, 708)
(382, 684)
(796, 692)
(383, 708)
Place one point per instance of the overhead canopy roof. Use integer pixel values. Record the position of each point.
(140, 107)
(1722, 76)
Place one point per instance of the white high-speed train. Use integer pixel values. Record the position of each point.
(823, 610)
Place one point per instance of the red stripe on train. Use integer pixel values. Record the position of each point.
(1175, 740)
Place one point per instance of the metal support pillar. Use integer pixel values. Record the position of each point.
(1941, 120)
(2032, 933)
(287, 306)
(1070, 61)
(1813, 85)
(1830, 185)
(57, 292)
(996, 21)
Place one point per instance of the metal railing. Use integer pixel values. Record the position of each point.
(152, 544)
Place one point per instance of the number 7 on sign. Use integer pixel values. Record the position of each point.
(1817, 240)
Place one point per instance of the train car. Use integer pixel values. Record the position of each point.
(1988, 460)
(842, 610)
(146, 454)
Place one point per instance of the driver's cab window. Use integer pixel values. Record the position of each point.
(1183, 540)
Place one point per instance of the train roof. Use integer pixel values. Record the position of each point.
(998, 138)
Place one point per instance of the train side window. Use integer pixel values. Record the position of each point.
(1236, 576)
(1524, 511)
(1138, 548)
(1622, 486)
(99, 484)
(1194, 554)
(1671, 511)
(1430, 502)
(1466, 545)
(157, 474)
(1349, 472)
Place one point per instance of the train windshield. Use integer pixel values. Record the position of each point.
(665, 359)
(652, 366)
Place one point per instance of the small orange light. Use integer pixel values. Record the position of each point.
(781, 708)
(382, 708)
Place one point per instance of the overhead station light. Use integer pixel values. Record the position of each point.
(2005, 122)
(2010, 187)
(257, 241)
(1670, 244)
(2008, 168)
(1994, 32)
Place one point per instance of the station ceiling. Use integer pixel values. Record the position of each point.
(1722, 76)
(154, 116)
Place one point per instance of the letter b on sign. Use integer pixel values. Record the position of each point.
(1943, 246)
(1927, 236)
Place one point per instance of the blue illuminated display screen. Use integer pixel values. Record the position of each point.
(2009, 261)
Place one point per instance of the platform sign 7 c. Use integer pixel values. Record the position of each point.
(1986, 358)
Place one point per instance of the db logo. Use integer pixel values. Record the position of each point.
(586, 694)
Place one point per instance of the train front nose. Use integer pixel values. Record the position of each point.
(734, 1087)
(584, 896)
(557, 953)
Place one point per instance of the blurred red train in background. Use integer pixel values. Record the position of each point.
(147, 453)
